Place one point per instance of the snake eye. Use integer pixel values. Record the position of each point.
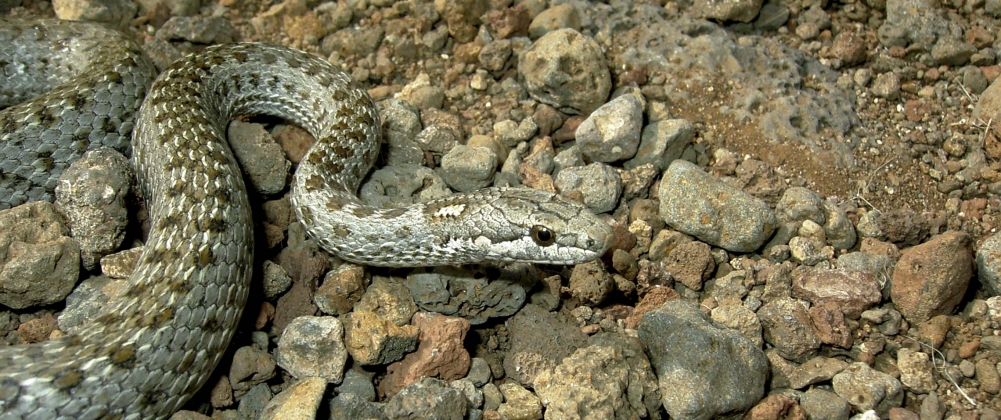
(542, 235)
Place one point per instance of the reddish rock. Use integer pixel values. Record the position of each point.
(440, 353)
(776, 407)
(897, 413)
(653, 299)
(691, 263)
(969, 348)
(37, 330)
(509, 22)
(930, 279)
(831, 327)
(851, 291)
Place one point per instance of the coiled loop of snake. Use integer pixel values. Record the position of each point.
(152, 348)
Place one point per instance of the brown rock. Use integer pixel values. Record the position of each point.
(653, 299)
(222, 393)
(776, 407)
(930, 279)
(969, 348)
(850, 47)
(691, 263)
(440, 353)
(935, 330)
(831, 327)
(850, 291)
(37, 330)
(509, 22)
(898, 413)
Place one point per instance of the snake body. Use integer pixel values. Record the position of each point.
(156, 345)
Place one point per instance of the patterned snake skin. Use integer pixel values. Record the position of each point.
(152, 348)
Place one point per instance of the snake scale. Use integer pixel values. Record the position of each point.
(156, 345)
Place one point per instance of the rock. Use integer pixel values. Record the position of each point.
(849, 291)
(389, 299)
(930, 279)
(467, 168)
(539, 340)
(313, 347)
(440, 353)
(821, 404)
(989, 264)
(915, 371)
(775, 407)
(566, 70)
(787, 326)
(358, 384)
(661, 143)
(598, 184)
(260, 157)
(252, 404)
(342, 287)
(987, 375)
(430, 399)
(372, 340)
(612, 132)
(742, 319)
(817, 369)
(830, 326)
(476, 296)
(275, 280)
(703, 206)
(39, 264)
(298, 402)
(691, 263)
(479, 372)
(92, 194)
(351, 406)
(565, 15)
(868, 389)
(251, 366)
(741, 11)
(519, 403)
(590, 283)
(704, 369)
(610, 379)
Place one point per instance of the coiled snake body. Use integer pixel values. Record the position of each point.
(152, 348)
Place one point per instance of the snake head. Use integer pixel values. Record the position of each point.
(545, 228)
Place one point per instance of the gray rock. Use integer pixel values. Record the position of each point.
(868, 389)
(39, 264)
(723, 10)
(787, 326)
(565, 15)
(252, 404)
(839, 228)
(566, 158)
(351, 406)
(612, 132)
(916, 371)
(742, 319)
(920, 21)
(886, 85)
(705, 370)
(849, 291)
(817, 369)
(950, 51)
(821, 404)
(799, 204)
(198, 29)
(566, 70)
(313, 346)
(467, 168)
(430, 399)
(610, 379)
(719, 214)
(275, 280)
(358, 384)
(261, 158)
(599, 185)
(510, 133)
(662, 142)
(437, 138)
(92, 194)
(476, 296)
(989, 264)
(479, 372)
(539, 340)
(772, 16)
(402, 185)
(401, 122)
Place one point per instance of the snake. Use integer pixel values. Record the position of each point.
(153, 347)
